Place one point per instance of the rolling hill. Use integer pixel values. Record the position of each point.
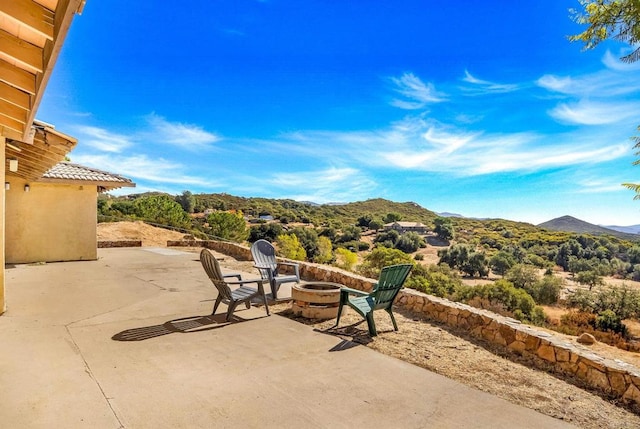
(571, 224)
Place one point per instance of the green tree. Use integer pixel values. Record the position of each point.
(392, 217)
(375, 224)
(161, 209)
(522, 276)
(501, 262)
(443, 228)
(324, 253)
(381, 257)
(265, 231)
(187, 201)
(345, 259)
(308, 238)
(589, 278)
(609, 19)
(228, 226)
(289, 247)
(409, 242)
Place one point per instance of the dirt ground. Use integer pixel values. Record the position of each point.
(445, 351)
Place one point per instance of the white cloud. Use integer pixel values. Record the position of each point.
(594, 186)
(141, 167)
(187, 136)
(417, 93)
(101, 139)
(603, 84)
(427, 146)
(322, 186)
(486, 87)
(614, 63)
(587, 112)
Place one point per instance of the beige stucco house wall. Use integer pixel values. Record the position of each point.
(54, 218)
(51, 222)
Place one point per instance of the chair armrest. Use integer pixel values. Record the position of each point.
(236, 275)
(241, 282)
(349, 291)
(296, 267)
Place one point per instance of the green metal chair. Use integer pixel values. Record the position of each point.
(384, 292)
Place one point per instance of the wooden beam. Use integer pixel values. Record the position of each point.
(23, 52)
(27, 12)
(12, 111)
(11, 124)
(9, 132)
(15, 76)
(15, 96)
(63, 16)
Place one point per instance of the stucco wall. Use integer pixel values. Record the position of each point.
(51, 222)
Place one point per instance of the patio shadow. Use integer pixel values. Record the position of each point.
(183, 325)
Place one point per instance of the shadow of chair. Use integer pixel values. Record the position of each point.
(264, 258)
(384, 293)
(232, 298)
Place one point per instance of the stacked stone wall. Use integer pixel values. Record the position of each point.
(613, 378)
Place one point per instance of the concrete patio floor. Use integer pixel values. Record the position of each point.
(125, 342)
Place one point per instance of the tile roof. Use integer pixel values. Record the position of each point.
(68, 172)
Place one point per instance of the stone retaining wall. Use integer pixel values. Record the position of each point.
(119, 243)
(614, 378)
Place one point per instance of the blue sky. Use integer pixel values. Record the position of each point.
(478, 108)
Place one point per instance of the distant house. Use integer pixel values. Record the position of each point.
(268, 218)
(53, 218)
(403, 227)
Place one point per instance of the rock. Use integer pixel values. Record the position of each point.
(587, 339)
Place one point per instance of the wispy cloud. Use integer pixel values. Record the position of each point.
(102, 139)
(417, 93)
(586, 112)
(415, 144)
(594, 186)
(142, 167)
(187, 136)
(480, 86)
(322, 186)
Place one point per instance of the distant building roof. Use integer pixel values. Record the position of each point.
(406, 224)
(65, 172)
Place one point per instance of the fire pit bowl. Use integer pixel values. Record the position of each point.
(316, 300)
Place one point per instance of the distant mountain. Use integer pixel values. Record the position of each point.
(631, 229)
(447, 214)
(571, 224)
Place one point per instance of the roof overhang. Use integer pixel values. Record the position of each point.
(49, 147)
(32, 33)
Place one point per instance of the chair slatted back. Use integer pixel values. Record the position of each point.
(389, 284)
(264, 254)
(212, 268)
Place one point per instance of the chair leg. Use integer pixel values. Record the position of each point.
(232, 306)
(372, 324)
(215, 306)
(393, 319)
(266, 306)
(274, 290)
(339, 314)
(248, 304)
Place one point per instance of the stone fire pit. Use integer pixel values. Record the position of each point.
(316, 300)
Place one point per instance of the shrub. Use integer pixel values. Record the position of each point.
(504, 293)
(289, 247)
(345, 259)
(609, 321)
(438, 280)
(381, 257)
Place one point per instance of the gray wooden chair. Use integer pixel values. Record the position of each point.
(264, 258)
(384, 292)
(225, 294)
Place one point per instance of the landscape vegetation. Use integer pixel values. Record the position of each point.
(516, 269)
